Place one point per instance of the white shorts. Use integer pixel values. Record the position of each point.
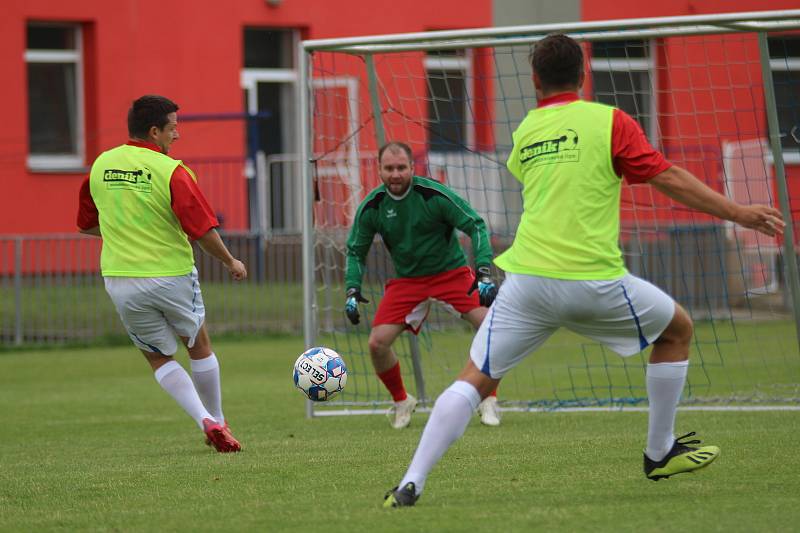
(154, 310)
(626, 315)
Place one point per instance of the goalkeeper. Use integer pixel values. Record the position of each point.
(416, 218)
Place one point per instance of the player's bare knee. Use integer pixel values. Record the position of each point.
(482, 382)
(201, 348)
(685, 326)
(156, 360)
(378, 345)
(680, 330)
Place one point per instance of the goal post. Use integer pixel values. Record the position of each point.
(702, 89)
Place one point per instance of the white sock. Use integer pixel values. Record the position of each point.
(447, 423)
(205, 374)
(174, 379)
(665, 383)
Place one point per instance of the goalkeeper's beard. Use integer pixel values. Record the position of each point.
(398, 188)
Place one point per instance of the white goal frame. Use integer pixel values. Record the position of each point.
(759, 23)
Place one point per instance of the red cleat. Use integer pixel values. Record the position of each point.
(220, 437)
(225, 426)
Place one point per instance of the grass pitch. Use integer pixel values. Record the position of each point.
(92, 443)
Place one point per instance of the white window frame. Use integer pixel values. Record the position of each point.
(464, 66)
(637, 64)
(249, 78)
(791, 64)
(76, 161)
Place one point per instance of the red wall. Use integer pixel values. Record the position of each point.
(626, 9)
(190, 51)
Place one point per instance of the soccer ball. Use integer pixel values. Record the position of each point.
(320, 373)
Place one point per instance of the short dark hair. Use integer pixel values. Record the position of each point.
(148, 111)
(395, 145)
(558, 61)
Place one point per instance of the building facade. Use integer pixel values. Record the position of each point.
(71, 70)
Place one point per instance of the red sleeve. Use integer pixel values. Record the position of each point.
(88, 216)
(633, 155)
(190, 206)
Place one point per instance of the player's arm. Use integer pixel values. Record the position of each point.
(199, 222)
(359, 242)
(639, 162)
(88, 217)
(461, 215)
(680, 185)
(212, 244)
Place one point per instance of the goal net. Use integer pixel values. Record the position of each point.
(696, 85)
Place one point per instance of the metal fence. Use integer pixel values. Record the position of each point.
(51, 291)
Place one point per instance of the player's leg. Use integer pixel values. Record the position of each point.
(404, 306)
(488, 409)
(453, 288)
(176, 382)
(383, 358)
(448, 421)
(206, 377)
(516, 325)
(627, 315)
(666, 376)
(181, 301)
(138, 305)
(387, 367)
(205, 372)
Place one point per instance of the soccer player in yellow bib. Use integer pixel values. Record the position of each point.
(565, 268)
(146, 206)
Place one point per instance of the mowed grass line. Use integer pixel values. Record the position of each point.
(92, 443)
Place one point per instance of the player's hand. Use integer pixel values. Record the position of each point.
(761, 218)
(351, 304)
(484, 283)
(237, 270)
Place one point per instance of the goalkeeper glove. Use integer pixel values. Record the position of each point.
(487, 290)
(351, 304)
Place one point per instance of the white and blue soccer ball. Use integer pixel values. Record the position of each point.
(320, 373)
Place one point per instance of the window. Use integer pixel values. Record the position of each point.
(448, 72)
(268, 79)
(55, 97)
(622, 74)
(784, 53)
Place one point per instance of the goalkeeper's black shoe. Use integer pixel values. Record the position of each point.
(681, 458)
(405, 497)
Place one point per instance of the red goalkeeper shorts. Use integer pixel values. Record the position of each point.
(408, 300)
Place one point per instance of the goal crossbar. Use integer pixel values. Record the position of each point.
(656, 26)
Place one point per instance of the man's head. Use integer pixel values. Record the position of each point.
(557, 64)
(154, 119)
(395, 167)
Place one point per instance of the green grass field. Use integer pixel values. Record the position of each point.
(92, 443)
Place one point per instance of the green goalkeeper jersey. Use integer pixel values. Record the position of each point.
(417, 229)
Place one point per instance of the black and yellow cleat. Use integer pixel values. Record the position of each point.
(681, 458)
(397, 497)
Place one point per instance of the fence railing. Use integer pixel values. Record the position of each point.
(51, 290)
